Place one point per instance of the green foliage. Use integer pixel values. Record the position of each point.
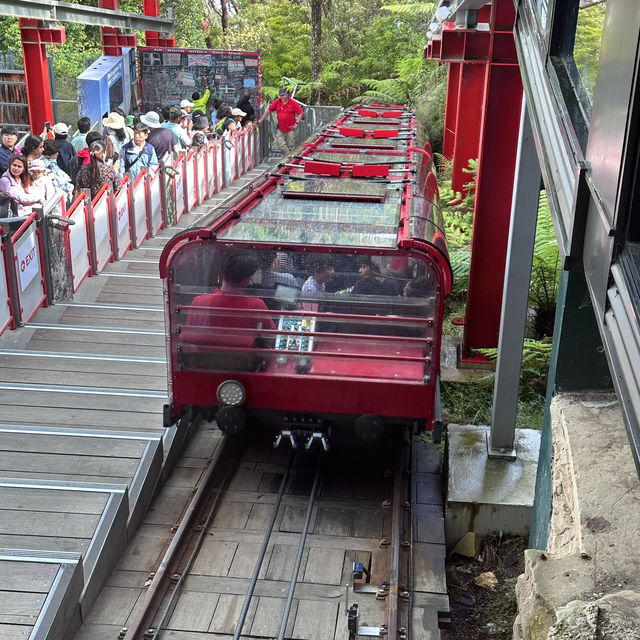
(189, 22)
(536, 355)
(545, 273)
(10, 38)
(458, 221)
(588, 41)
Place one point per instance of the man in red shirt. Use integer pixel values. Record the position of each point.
(218, 307)
(289, 114)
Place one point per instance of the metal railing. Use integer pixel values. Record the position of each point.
(47, 254)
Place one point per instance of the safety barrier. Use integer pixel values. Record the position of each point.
(54, 249)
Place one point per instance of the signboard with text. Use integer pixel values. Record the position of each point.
(169, 75)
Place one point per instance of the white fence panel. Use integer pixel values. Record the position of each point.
(211, 170)
(201, 175)
(102, 231)
(123, 221)
(139, 193)
(155, 195)
(229, 161)
(219, 166)
(191, 180)
(79, 240)
(178, 187)
(29, 268)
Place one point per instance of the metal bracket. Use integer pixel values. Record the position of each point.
(286, 434)
(504, 453)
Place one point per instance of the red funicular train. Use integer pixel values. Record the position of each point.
(313, 302)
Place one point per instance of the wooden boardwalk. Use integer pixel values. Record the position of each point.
(82, 443)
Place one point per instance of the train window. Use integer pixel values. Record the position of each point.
(341, 314)
(588, 42)
(575, 52)
(327, 189)
(324, 221)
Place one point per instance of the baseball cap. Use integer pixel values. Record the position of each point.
(237, 112)
(185, 103)
(282, 91)
(60, 128)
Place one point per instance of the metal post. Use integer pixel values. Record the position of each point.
(515, 297)
(14, 296)
(41, 223)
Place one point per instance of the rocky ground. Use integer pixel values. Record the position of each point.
(482, 590)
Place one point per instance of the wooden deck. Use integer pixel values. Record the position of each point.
(82, 444)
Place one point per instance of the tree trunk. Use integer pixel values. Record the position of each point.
(225, 16)
(316, 43)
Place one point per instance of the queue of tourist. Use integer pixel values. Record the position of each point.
(54, 164)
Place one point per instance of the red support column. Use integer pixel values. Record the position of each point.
(36, 70)
(451, 110)
(496, 170)
(151, 8)
(468, 122)
(486, 126)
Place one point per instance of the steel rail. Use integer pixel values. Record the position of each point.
(141, 611)
(204, 531)
(263, 550)
(301, 544)
(396, 540)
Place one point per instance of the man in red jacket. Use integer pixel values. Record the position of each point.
(289, 114)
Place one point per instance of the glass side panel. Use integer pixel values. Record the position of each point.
(294, 313)
(275, 219)
(426, 222)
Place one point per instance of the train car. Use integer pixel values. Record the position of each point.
(312, 302)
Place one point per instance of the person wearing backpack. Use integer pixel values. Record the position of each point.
(138, 154)
(225, 121)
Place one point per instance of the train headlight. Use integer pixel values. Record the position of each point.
(231, 393)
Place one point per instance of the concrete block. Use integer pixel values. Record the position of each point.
(487, 494)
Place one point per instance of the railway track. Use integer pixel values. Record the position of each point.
(290, 543)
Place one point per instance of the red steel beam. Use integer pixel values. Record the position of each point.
(492, 213)
(468, 122)
(488, 98)
(451, 110)
(36, 70)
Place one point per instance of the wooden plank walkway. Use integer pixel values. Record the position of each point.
(82, 443)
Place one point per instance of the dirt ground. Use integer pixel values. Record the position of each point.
(480, 613)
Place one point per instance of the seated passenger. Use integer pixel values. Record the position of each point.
(420, 287)
(237, 268)
(270, 274)
(321, 272)
(370, 281)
